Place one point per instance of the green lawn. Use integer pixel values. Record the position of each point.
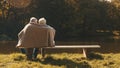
(61, 60)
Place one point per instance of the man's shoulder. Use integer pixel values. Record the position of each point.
(50, 27)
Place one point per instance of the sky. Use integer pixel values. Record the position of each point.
(108, 0)
(105, 0)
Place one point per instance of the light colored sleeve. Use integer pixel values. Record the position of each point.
(20, 34)
(52, 36)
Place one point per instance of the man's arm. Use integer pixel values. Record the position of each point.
(52, 36)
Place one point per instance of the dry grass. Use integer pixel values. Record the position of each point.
(63, 60)
(11, 58)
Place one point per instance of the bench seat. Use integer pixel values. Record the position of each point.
(84, 48)
(75, 46)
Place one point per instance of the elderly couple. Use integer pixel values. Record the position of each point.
(36, 34)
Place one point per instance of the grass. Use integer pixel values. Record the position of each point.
(61, 60)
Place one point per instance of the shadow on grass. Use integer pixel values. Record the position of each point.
(93, 55)
(19, 58)
(66, 62)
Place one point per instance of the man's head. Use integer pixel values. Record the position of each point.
(42, 21)
(33, 20)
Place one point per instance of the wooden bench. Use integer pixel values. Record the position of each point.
(84, 48)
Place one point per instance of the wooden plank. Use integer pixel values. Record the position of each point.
(75, 46)
(84, 53)
(84, 48)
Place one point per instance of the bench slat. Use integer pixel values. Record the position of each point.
(75, 46)
(84, 47)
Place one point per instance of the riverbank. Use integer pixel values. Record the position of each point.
(7, 47)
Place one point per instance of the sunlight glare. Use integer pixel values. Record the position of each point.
(105, 0)
(19, 3)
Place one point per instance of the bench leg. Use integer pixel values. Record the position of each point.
(84, 52)
(43, 52)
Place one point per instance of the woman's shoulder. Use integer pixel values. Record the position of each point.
(50, 27)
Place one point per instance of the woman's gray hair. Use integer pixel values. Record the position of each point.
(42, 21)
(33, 20)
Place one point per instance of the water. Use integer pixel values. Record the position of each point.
(7, 47)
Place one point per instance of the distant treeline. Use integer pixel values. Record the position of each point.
(72, 19)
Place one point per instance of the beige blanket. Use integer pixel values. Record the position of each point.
(36, 36)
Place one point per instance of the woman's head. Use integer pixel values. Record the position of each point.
(42, 21)
(33, 20)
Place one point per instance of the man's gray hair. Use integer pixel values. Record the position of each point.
(42, 21)
(33, 20)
